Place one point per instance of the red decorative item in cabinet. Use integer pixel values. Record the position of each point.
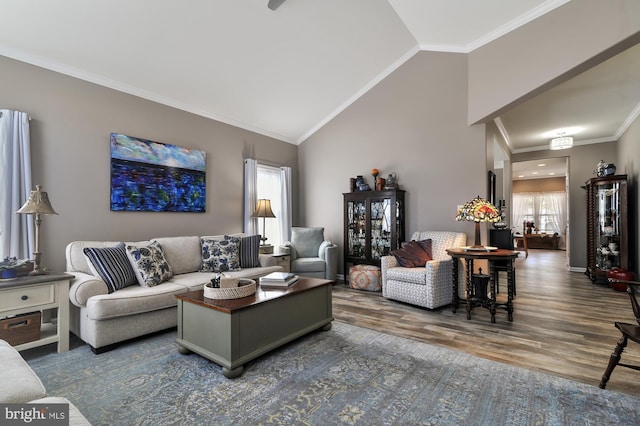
(620, 274)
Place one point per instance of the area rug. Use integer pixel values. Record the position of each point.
(346, 376)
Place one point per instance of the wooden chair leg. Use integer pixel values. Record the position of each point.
(613, 361)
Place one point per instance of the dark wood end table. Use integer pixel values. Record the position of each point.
(471, 300)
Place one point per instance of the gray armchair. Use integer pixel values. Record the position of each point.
(311, 255)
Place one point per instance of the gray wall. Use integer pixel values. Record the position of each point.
(413, 123)
(628, 162)
(70, 126)
(551, 49)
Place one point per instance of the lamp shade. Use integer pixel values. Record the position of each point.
(263, 209)
(478, 210)
(38, 203)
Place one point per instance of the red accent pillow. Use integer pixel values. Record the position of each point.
(413, 253)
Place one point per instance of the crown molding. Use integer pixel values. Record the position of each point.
(131, 90)
(404, 58)
(521, 20)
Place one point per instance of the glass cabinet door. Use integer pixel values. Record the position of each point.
(608, 226)
(356, 229)
(380, 228)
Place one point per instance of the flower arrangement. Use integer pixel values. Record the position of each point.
(12, 263)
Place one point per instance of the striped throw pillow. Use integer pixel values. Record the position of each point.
(112, 265)
(249, 250)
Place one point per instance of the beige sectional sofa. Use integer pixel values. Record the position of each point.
(103, 319)
(19, 384)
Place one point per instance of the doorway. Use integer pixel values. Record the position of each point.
(540, 201)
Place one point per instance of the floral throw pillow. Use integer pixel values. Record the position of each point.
(149, 264)
(220, 255)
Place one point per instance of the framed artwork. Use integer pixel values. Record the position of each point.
(156, 177)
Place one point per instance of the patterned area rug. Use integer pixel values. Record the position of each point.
(345, 376)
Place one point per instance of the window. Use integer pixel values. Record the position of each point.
(547, 210)
(269, 187)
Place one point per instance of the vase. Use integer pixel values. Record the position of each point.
(8, 274)
(620, 274)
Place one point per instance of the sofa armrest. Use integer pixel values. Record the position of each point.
(84, 286)
(288, 246)
(386, 262)
(267, 260)
(329, 253)
(439, 272)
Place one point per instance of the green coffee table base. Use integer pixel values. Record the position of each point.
(231, 333)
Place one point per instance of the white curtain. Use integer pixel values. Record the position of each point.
(16, 231)
(558, 205)
(543, 208)
(250, 196)
(285, 220)
(519, 211)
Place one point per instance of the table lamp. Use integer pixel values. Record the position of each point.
(263, 210)
(478, 210)
(37, 204)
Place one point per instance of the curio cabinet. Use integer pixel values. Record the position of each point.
(607, 226)
(373, 226)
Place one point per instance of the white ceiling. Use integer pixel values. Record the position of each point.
(286, 73)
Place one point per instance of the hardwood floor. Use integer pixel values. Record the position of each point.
(562, 323)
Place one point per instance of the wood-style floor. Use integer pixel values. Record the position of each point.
(562, 323)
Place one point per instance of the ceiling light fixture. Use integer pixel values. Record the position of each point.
(561, 142)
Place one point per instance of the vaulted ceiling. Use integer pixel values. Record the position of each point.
(286, 73)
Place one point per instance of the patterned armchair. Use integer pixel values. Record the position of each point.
(428, 286)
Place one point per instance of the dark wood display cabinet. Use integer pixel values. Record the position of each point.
(607, 226)
(373, 226)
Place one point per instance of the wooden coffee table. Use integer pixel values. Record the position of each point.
(233, 332)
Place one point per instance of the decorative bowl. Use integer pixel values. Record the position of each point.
(246, 287)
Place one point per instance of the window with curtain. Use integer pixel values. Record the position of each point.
(269, 186)
(16, 231)
(547, 210)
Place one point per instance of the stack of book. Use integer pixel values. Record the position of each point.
(278, 280)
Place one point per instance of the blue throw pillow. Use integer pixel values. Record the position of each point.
(151, 267)
(220, 255)
(112, 265)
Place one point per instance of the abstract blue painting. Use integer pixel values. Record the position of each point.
(156, 177)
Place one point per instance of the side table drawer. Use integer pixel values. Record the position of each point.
(16, 298)
(283, 260)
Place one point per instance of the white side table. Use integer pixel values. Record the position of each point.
(39, 293)
(284, 260)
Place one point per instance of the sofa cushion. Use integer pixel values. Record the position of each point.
(19, 382)
(308, 264)
(182, 253)
(408, 275)
(149, 264)
(78, 262)
(307, 241)
(412, 254)
(220, 255)
(134, 300)
(112, 265)
(249, 251)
